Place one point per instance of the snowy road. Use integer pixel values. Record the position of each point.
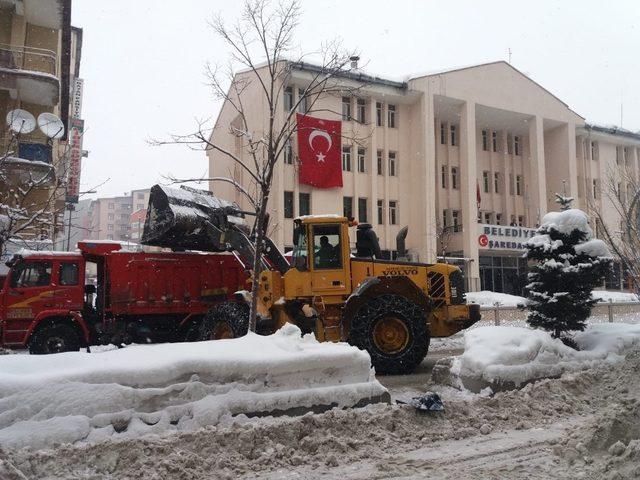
(565, 428)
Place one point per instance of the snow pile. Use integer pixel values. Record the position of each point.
(157, 389)
(615, 297)
(506, 357)
(486, 298)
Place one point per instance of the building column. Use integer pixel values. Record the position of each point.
(428, 182)
(469, 175)
(537, 168)
(573, 161)
(373, 171)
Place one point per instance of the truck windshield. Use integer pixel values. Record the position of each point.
(31, 274)
(300, 249)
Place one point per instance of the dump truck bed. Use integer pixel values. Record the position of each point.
(165, 283)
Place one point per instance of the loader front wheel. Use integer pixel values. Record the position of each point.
(394, 331)
(225, 320)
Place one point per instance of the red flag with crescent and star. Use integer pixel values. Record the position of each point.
(319, 149)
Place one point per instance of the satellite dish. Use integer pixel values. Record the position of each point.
(21, 121)
(50, 125)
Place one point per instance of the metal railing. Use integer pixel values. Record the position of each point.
(601, 313)
(22, 57)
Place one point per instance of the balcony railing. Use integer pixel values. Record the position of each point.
(26, 58)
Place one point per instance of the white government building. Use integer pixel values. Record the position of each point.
(435, 145)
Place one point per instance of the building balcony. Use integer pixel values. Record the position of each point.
(15, 171)
(31, 73)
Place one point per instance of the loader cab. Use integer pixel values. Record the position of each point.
(321, 252)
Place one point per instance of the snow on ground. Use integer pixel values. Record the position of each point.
(158, 389)
(501, 355)
(585, 425)
(487, 298)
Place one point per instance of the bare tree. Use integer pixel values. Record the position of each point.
(621, 190)
(261, 44)
(29, 196)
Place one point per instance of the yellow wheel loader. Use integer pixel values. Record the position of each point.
(391, 309)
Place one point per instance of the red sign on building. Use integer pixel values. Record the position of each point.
(76, 130)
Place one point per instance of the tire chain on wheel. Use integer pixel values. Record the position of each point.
(234, 313)
(38, 343)
(362, 327)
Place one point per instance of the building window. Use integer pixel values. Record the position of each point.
(444, 175)
(288, 204)
(393, 212)
(109, 237)
(111, 206)
(496, 182)
(380, 212)
(346, 108)
(619, 192)
(494, 141)
(379, 114)
(618, 155)
(140, 196)
(521, 220)
(594, 150)
(445, 221)
(511, 186)
(304, 203)
(485, 140)
(361, 159)
(513, 221)
(454, 139)
(302, 98)
(347, 207)
(110, 216)
(516, 145)
(361, 110)
(518, 184)
(110, 227)
(454, 177)
(380, 161)
(288, 99)
(362, 210)
(485, 181)
(487, 217)
(288, 153)
(498, 218)
(391, 114)
(392, 164)
(124, 216)
(509, 144)
(443, 134)
(346, 159)
(456, 220)
(595, 188)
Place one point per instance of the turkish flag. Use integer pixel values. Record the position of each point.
(319, 149)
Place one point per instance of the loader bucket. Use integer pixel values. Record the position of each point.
(182, 218)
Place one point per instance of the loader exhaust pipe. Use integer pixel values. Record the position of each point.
(401, 247)
(181, 218)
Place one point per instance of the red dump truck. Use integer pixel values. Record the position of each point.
(49, 304)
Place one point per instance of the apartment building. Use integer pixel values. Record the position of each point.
(39, 60)
(470, 159)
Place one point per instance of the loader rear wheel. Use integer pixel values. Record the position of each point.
(54, 338)
(394, 331)
(225, 320)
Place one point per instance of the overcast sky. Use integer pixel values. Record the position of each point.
(143, 64)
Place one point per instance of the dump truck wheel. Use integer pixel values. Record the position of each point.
(54, 338)
(225, 320)
(394, 331)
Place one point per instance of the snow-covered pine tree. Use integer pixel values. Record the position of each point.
(569, 264)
